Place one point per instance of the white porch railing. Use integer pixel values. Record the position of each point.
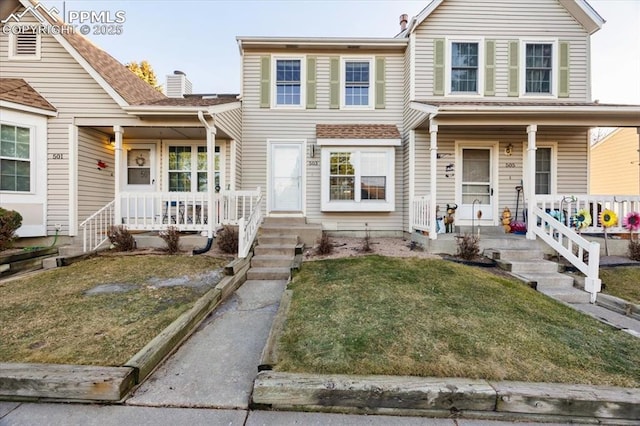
(594, 204)
(420, 208)
(248, 227)
(569, 245)
(95, 228)
(187, 211)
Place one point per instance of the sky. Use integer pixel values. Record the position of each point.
(198, 36)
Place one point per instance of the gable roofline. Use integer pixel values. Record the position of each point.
(25, 108)
(581, 10)
(124, 87)
(156, 110)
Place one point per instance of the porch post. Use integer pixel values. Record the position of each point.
(412, 177)
(433, 150)
(530, 178)
(119, 132)
(211, 192)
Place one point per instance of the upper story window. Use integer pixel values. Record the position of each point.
(538, 67)
(288, 82)
(24, 44)
(357, 83)
(464, 67)
(15, 158)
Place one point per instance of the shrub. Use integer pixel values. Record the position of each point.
(325, 245)
(227, 240)
(468, 246)
(121, 238)
(366, 242)
(171, 237)
(10, 221)
(634, 250)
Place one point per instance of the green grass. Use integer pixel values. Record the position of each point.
(47, 318)
(377, 315)
(622, 282)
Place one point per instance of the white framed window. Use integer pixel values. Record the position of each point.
(288, 86)
(24, 44)
(356, 82)
(539, 68)
(358, 179)
(546, 176)
(187, 168)
(464, 66)
(16, 169)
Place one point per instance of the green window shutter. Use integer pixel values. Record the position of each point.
(490, 68)
(311, 82)
(265, 81)
(380, 82)
(334, 82)
(438, 67)
(563, 78)
(514, 74)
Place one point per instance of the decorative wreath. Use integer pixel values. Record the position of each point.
(632, 221)
(140, 160)
(608, 218)
(582, 219)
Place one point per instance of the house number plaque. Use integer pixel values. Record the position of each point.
(313, 162)
(57, 156)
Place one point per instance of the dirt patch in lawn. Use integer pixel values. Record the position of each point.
(352, 247)
(99, 311)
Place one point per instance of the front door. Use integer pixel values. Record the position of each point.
(286, 177)
(475, 189)
(139, 179)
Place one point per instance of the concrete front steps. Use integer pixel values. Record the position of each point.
(529, 265)
(280, 240)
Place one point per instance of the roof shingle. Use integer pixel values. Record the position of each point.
(18, 91)
(357, 131)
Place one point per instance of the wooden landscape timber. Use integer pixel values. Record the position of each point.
(64, 382)
(269, 357)
(438, 396)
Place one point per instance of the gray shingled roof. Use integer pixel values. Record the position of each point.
(357, 131)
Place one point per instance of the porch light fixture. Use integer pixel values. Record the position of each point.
(112, 141)
(312, 151)
(508, 150)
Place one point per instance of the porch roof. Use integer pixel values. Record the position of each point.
(357, 131)
(583, 114)
(18, 91)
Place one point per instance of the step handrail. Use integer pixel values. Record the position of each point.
(248, 228)
(563, 240)
(95, 228)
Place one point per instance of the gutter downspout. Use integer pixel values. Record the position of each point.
(211, 132)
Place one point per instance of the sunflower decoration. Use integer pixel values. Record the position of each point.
(632, 221)
(608, 218)
(582, 219)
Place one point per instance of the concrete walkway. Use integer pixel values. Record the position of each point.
(209, 380)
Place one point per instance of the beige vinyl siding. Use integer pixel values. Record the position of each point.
(262, 124)
(572, 160)
(97, 188)
(74, 93)
(614, 164)
(231, 123)
(502, 21)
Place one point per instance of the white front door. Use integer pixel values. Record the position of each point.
(475, 184)
(139, 176)
(286, 177)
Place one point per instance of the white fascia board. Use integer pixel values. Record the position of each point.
(161, 110)
(419, 19)
(359, 142)
(250, 41)
(429, 109)
(25, 108)
(443, 110)
(584, 14)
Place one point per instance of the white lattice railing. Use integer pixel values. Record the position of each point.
(421, 208)
(568, 205)
(248, 227)
(96, 227)
(582, 254)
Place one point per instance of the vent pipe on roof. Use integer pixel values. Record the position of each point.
(404, 19)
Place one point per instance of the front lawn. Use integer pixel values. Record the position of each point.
(425, 317)
(622, 282)
(50, 317)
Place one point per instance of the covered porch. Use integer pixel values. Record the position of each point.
(468, 161)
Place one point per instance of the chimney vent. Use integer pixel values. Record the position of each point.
(178, 85)
(404, 18)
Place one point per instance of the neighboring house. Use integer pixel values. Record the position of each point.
(615, 163)
(468, 101)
